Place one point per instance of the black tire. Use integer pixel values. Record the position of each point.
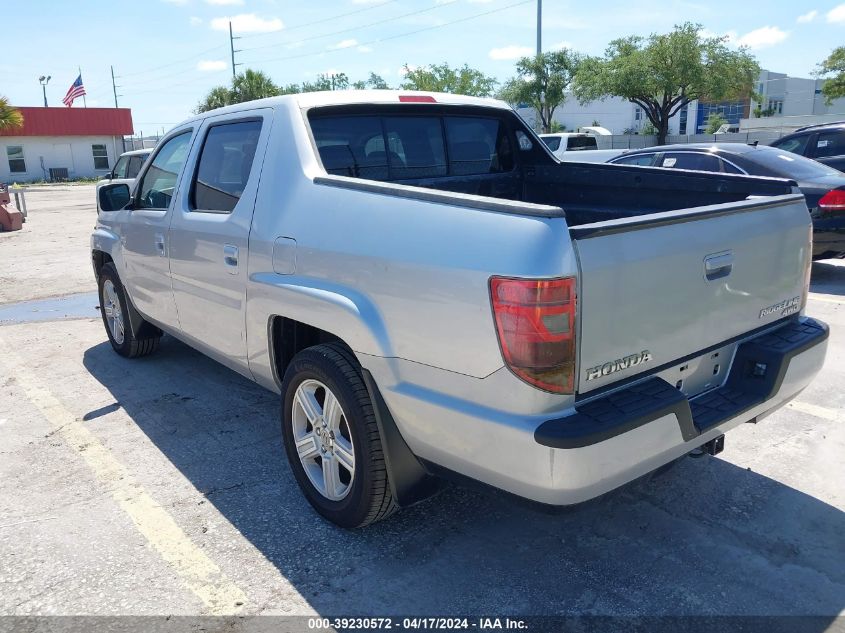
(369, 498)
(131, 346)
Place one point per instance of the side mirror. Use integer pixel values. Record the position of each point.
(114, 197)
(110, 175)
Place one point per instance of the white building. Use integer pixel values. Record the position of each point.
(60, 143)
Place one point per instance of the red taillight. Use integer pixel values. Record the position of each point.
(832, 201)
(535, 321)
(416, 99)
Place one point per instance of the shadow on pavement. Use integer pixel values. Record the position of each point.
(827, 278)
(707, 538)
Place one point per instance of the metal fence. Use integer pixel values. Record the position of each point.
(638, 141)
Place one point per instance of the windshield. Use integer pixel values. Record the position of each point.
(789, 165)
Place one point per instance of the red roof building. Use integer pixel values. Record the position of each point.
(56, 143)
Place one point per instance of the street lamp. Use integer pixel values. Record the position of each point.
(44, 81)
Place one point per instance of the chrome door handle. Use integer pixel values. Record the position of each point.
(718, 265)
(159, 240)
(230, 257)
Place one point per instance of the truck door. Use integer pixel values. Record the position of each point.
(143, 226)
(209, 234)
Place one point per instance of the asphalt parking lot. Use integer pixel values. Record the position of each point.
(158, 486)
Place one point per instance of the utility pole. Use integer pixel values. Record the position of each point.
(539, 27)
(84, 102)
(232, 39)
(113, 86)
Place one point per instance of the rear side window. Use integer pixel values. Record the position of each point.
(694, 161)
(134, 166)
(830, 144)
(225, 163)
(580, 143)
(796, 145)
(552, 142)
(638, 159)
(412, 147)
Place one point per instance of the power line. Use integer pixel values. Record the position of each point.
(354, 28)
(168, 65)
(393, 37)
(328, 19)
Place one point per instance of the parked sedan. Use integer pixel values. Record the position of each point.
(822, 186)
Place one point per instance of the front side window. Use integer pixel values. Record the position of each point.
(101, 156)
(638, 159)
(830, 144)
(17, 164)
(158, 184)
(225, 163)
(796, 145)
(120, 167)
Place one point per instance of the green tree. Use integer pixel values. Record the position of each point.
(247, 86)
(542, 82)
(663, 73)
(715, 120)
(833, 69)
(443, 78)
(10, 117)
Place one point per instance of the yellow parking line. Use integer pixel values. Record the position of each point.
(834, 415)
(199, 573)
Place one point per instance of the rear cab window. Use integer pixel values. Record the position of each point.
(418, 145)
(580, 143)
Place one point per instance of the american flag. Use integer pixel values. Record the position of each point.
(76, 90)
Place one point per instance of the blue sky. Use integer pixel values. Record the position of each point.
(168, 53)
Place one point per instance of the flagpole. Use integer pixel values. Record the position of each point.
(84, 102)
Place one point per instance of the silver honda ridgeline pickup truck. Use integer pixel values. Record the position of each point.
(432, 293)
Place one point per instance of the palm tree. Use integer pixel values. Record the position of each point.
(252, 84)
(216, 98)
(10, 117)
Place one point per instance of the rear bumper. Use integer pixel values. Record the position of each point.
(608, 441)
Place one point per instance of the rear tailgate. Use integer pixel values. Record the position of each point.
(655, 289)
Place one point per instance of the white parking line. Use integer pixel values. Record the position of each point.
(835, 415)
(199, 573)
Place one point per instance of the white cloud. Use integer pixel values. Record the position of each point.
(763, 37)
(194, 20)
(402, 72)
(510, 52)
(364, 49)
(807, 17)
(209, 65)
(560, 45)
(247, 23)
(836, 15)
(221, 3)
(345, 44)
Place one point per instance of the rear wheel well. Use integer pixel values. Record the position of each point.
(100, 259)
(288, 337)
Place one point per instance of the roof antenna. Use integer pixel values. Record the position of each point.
(753, 143)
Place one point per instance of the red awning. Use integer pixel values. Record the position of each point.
(73, 122)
